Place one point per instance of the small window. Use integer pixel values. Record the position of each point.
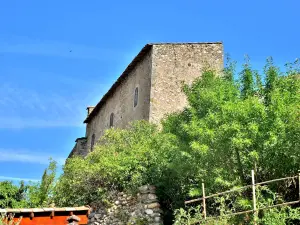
(111, 120)
(136, 97)
(92, 142)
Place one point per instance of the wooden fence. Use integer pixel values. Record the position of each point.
(254, 209)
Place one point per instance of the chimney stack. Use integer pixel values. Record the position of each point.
(89, 109)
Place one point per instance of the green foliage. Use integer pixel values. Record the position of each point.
(278, 216)
(247, 79)
(191, 216)
(30, 195)
(12, 196)
(272, 74)
(122, 160)
(267, 216)
(229, 69)
(41, 194)
(5, 220)
(228, 128)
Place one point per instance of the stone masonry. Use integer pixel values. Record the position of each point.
(124, 209)
(173, 65)
(79, 148)
(157, 73)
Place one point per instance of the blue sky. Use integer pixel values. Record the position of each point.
(57, 57)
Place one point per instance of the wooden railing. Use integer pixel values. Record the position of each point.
(254, 209)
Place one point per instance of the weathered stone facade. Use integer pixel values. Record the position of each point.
(173, 65)
(120, 102)
(157, 72)
(80, 147)
(123, 209)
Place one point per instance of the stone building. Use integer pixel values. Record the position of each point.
(149, 88)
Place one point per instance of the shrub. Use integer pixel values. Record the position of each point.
(8, 220)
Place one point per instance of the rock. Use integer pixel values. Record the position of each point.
(157, 219)
(152, 196)
(155, 214)
(149, 211)
(148, 201)
(128, 209)
(98, 216)
(153, 205)
(143, 189)
(91, 215)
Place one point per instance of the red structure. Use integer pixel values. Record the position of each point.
(48, 216)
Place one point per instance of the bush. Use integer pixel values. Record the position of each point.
(122, 160)
(6, 220)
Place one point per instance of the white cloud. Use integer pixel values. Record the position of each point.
(27, 108)
(18, 179)
(16, 155)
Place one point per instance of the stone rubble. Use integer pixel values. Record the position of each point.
(143, 209)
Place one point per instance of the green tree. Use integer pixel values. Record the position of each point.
(247, 81)
(40, 194)
(11, 195)
(272, 74)
(228, 129)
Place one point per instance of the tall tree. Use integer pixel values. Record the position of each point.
(247, 81)
(40, 194)
(271, 74)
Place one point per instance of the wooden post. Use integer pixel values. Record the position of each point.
(204, 203)
(254, 196)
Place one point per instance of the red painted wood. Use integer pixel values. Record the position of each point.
(47, 220)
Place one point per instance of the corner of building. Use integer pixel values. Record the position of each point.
(174, 64)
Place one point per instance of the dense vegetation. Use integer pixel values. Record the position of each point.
(31, 194)
(8, 220)
(229, 127)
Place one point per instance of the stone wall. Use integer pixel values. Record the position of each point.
(79, 148)
(120, 103)
(175, 64)
(159, 75)
(123, 209)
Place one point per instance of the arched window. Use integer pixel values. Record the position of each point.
(92, 142)
(136, 97)
(111, 120)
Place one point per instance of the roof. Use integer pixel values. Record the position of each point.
(65, 209)
(129, 68)
(81, 138)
